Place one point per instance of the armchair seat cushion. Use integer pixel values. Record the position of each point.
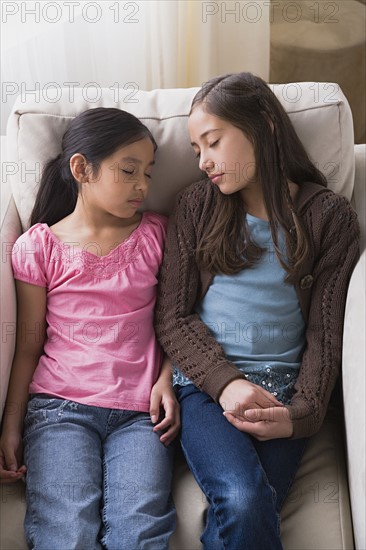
(316, 514)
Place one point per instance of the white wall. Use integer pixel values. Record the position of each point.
(135, 44)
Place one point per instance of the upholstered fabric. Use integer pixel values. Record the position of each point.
(35, 131)
(354, 365)
(10, 230)
(317, 515)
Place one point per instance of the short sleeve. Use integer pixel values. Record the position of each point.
(155, 229)
(28, 257)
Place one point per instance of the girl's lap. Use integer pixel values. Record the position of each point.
(215, 449)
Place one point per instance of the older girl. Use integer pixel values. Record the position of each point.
(250, 307)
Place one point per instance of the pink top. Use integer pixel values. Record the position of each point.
(101, 347)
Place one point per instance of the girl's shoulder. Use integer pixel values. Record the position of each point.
(311, 195)
(195, 200)
(155, 217)
(31, 253)
(197, 191)
(38, 233)
(326, 211)
(317, 198)
(153, 220)
(154, 226)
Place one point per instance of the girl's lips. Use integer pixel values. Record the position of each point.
(136, 203)
(216, 178)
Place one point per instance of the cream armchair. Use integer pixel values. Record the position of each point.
(326, 506)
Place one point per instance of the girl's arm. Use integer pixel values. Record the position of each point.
(163, 396)
(337, 241)
(31, 329)
(336, 246)
(184, 337)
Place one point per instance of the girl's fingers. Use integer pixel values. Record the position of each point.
(263, 424)
(170, 434)
(273, 414)
(170, 425)
(10, 476)
(163, 425)
(169, 420)
(154, 407)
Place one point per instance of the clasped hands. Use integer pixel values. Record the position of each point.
(254, 410)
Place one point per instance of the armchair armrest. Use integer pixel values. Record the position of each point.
(354, 365)
(10, 231)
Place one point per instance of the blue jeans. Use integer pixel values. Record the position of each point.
(96, 478)
(245, 480)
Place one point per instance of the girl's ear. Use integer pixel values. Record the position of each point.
(79, 168)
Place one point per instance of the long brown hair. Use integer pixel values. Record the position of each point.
(248, 103)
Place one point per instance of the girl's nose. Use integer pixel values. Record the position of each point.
(142, 184)
(206, 165)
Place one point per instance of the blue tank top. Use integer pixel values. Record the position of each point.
(256, 317)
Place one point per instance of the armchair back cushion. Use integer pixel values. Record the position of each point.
(319, 111)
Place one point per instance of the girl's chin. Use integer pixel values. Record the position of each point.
(227, 189)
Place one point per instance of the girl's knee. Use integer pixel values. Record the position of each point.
(240, 518)
(247, 503)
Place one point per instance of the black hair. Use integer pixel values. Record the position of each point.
(96, 134)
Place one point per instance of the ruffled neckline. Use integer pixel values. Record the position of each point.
(82, 260)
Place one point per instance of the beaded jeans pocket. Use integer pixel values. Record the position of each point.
(279, 383)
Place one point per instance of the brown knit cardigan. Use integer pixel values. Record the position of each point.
(321, 288)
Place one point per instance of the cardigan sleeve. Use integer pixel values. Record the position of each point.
(184, 337)
(336, 241)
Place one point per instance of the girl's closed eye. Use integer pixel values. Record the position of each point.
(127, 171)
(198, 154)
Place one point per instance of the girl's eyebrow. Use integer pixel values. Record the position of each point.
(205, 134)
(138, 161)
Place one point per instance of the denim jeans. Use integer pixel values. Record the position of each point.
(245, 480)
(96, 478)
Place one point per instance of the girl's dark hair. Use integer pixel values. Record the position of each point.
(248, 103)
(96, 134)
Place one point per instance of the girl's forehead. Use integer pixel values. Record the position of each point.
(141, 146)
(201, 124)
(200, 118)
(200, 112)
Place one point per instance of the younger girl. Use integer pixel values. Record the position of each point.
(98, 471)
(261, 254)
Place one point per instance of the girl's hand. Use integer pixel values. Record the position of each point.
(241, 395)
(163, 397)
(263, 424)
(253, 410)
(11, 453)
